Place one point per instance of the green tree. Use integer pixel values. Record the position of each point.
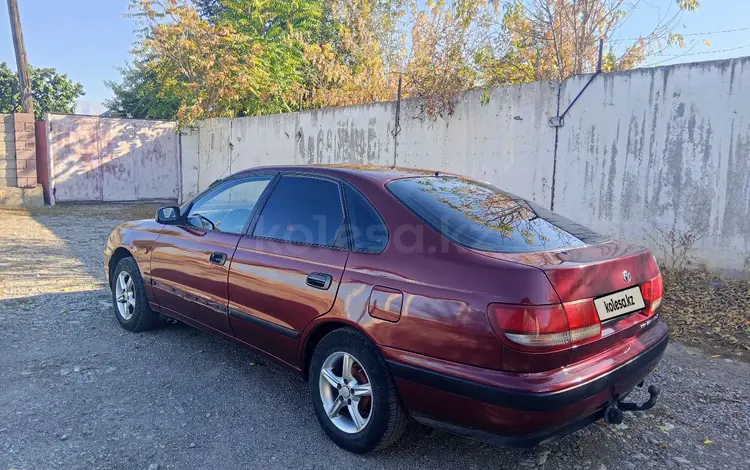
(279, 29)
(225, 58)
(53, 92)
(140, 94)
(209, 10)
(222, 58)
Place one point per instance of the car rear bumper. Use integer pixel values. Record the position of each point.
(523, 409)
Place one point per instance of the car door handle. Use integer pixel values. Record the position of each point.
(319, 281)
(218, 258)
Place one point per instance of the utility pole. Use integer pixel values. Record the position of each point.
(397, 127)
(27, 102)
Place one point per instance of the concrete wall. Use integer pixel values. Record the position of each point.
(17, 151)
(662, 148)
(112, 159)
(491, 141)
(506, 141)
(220, 147)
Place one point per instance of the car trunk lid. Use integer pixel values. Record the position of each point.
(594, 271)
(609, 277)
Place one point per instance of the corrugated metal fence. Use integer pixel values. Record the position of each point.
(96, 158)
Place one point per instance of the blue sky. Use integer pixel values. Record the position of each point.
(89, 39)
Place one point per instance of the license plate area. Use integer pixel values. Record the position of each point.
(619, 303)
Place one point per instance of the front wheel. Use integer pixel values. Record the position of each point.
(353, 393)
(129, 298)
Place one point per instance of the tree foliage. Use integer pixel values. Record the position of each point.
(224, 58)
(52, 92)
(141, 94)
(554, 39)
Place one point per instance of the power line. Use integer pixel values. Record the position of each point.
(705, 33)
(696, 53)
(704, 52)
(708, 33)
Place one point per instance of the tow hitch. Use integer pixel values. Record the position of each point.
(613, 413)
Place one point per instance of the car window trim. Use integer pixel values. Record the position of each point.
(350, 234)
(303, 174)
(248, 232)
(234, 180)
(187, 205)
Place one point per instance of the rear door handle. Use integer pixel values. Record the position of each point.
(319, 281)
(218, 258)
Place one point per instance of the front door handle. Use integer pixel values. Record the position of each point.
(319, 281)
(218, 258)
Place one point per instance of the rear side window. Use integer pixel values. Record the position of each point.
(368, 231)
(480, 216)
(303, 210)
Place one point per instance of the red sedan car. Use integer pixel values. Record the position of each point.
(400, 293)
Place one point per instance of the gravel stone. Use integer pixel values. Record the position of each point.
(130, 407)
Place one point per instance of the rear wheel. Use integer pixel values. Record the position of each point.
(353, 393)
(129, 298)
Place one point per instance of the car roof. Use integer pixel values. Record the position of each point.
(372, 172)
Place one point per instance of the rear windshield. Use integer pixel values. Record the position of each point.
(480, 216)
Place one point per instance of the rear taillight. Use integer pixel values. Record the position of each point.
(545, 327)
(652, 292)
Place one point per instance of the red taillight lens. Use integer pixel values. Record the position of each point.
(652, 292)
(545, 327)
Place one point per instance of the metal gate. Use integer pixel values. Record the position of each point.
(95, 158)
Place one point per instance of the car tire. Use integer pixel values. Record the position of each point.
(133, 315)
(386, 419)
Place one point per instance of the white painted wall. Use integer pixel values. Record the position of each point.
(505, 141)
(667, 147)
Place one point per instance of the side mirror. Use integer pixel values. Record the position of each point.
(168, 215)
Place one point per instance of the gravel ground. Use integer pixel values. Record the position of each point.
(77, 391)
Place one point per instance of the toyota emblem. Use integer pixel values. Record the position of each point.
(626, 276)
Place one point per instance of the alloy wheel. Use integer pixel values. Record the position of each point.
(125, 295)
(346, 392)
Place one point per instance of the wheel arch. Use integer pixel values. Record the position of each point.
(316, 333)
(118, 255)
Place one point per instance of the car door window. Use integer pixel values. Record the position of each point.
(368, 231)
(228, 207)
(303, 210)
